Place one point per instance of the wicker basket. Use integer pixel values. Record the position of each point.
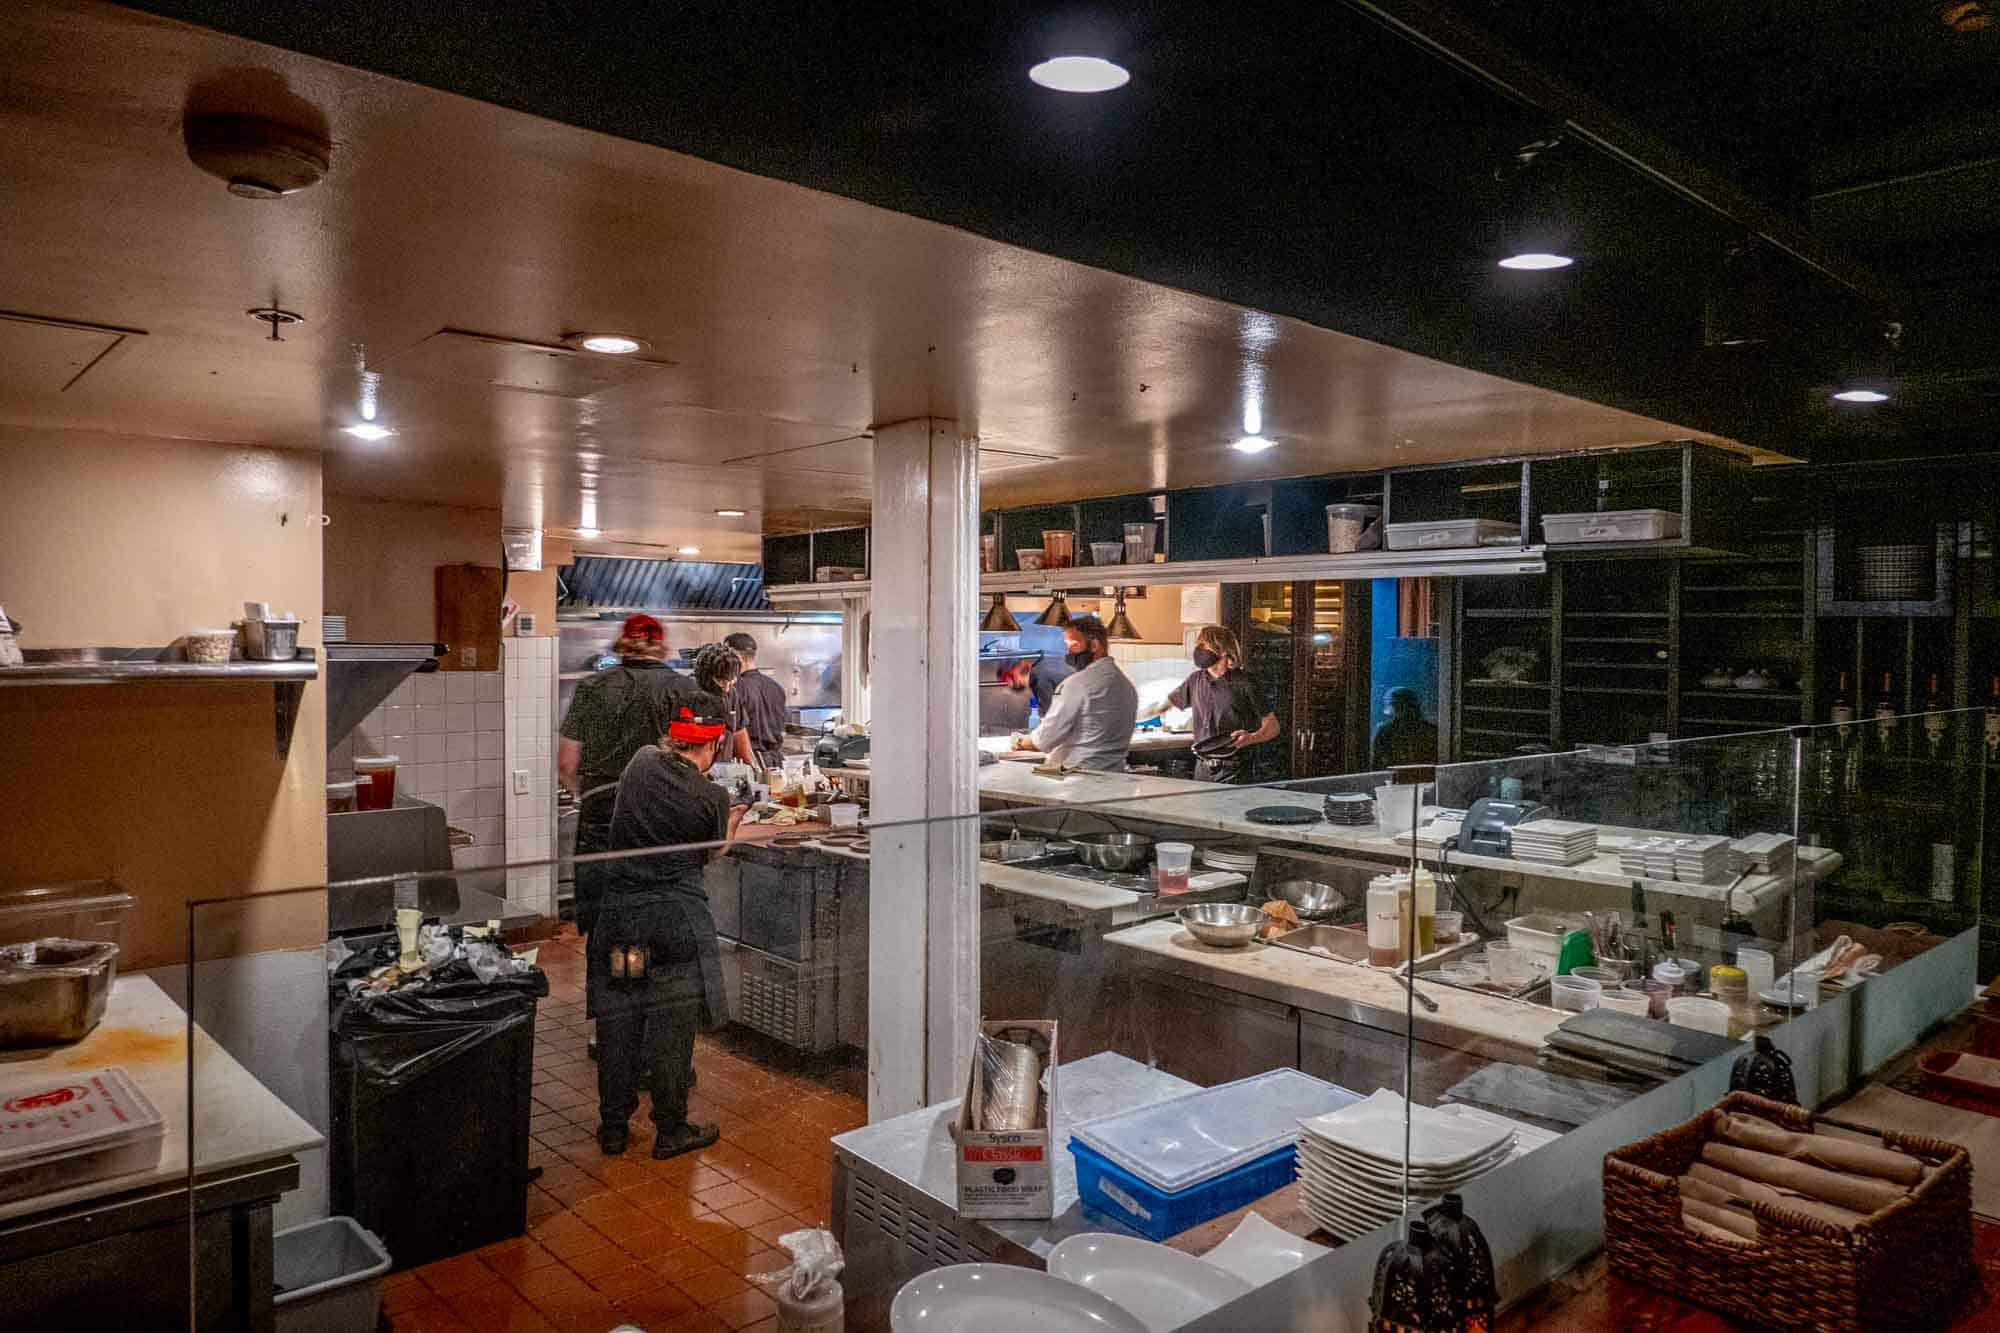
(1906, 1267)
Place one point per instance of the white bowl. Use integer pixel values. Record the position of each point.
(1162, 1286)
(987, 1298)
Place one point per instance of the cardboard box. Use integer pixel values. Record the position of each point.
(1008, 1174)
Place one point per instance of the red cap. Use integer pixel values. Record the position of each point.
(643, 626)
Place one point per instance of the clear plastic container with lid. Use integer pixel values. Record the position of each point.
(380, 769)
(91, 910)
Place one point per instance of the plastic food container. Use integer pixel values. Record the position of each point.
(1575, 994)
(1451, 532)
(1139, 543)
(1542, 936)
(340, 795)
(1171, 862)
(1028, 557)
(1163, 1168)
(1107, 553)
(1058, 549)
(1509, 964)
(380, 770)
(1654, 992)
(1449, 924)
(92, 910)
(1347, 525)
(1613, 525)
(989, 553)
(271, 640)
(1635, 1003)
(1694, 1011)
(210, 645)
(328, 1276)
(66, 1127)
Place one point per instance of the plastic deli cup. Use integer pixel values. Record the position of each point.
(1704, 1015)
(1509, 964)
(1449, 925)
(340, 796)
(380, 793)
(1574, 993)
(1171, 861)
(1759, 967)
(1630, 1002)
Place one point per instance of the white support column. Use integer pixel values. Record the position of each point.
(923, 929)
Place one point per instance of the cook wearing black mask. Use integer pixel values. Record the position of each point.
(1089, 723)
(1229, 712)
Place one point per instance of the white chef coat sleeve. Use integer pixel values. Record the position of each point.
(1065, 717)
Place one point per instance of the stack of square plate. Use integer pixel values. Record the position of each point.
(1764, 853)
(1633, 857)
(1350, 808)
(1555, 842)
(1701, 860)
(1351, 1160)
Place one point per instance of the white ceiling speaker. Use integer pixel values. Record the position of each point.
(257, 158)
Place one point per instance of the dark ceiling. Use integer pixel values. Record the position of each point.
(1307, 160)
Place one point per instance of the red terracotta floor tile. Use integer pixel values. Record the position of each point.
(701, 1321)
(511, 1258)
(462, 1272)
(591, 1263)
(723, 1196)
(745, 1308)
(542, 1283)
(706, 1288)
(656, 1307)
(751, 1213)
(498, 1310)
(586, 1310)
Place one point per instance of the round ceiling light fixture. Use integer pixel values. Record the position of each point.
(605, 344)
(368, 430)
(257, 158)
(1254, 444)
(1080, 74)
(1535, 261)
(731, 513)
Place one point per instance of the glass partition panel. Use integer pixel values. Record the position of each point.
(445, 1094)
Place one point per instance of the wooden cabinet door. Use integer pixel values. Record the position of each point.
(468, 616)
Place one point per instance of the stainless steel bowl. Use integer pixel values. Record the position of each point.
(1311, 899)
(1112, 851)
(1224, 925)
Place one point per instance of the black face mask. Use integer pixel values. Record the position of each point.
(1205, 658)
(1078, 661)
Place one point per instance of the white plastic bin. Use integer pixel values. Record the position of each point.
(1613, 525)
(1541, 935)
(329, 1277)
(1449, 533)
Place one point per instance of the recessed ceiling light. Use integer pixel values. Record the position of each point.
(368, 430)
(1861, 396)
(730, 513)
(690, 550)
(610, 344)
(1080, 74)
(1253, 444)
(1535, 262)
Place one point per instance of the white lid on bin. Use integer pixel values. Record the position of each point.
(46, 1115)
(362, 761)
(1352, 511)
(347, 788)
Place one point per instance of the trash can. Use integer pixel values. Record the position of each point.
(430, 1096)
(328, 1276)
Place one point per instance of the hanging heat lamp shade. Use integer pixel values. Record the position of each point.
(1121, 626)
(999, 620)
(1533, 232)
(1056, 612)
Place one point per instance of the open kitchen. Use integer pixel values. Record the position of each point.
(615, 733)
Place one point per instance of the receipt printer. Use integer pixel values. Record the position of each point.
(1489, 825)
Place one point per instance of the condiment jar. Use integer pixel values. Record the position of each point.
(1731, 985)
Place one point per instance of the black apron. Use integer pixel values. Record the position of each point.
(593, 834)
(1232, 768)
(665, 912)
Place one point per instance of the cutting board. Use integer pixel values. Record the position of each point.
(1684, 1046)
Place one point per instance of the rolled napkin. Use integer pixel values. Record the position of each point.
(1737, 1187)
(1692, 1187)
(1748, 1131)
(1864, 1194)
(1736, 1225)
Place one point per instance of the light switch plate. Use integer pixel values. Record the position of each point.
(520, 782)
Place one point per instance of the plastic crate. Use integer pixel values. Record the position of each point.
(1613, 525)
(328, 1276)
(1108, 1191)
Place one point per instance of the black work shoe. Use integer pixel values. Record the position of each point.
(690, 1137)
(613, 1140)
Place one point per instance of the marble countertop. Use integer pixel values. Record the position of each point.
(1465, 1020)
(237, 1120)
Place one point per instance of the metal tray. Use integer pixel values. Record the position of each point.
(53, 989)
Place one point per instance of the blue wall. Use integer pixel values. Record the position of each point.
(1393, 661)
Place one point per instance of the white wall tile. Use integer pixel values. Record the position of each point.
(485, 832)
(491, 745)
(428, 688)
(458, 806)
(490, 773)
(488, 802)
(460, 776)
(430, 719)
(461, 745)
(461, 717)
(472, 858)
(460, 687)
(491, 687)
(431, 748)
(489, 716)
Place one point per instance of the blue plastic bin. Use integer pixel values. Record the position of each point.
(1109, 1192)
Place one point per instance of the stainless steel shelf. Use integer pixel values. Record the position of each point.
(122, 666)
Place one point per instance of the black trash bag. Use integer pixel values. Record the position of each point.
(394, 1039)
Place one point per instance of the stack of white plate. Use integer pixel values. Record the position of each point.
(1351, 1160)
(1702, 860)
(1351, 808)
(1764, 853)
(1238, 857)
(1555, 842)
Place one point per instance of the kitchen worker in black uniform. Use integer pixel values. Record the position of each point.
(760, 702)
(716, 668)
(655, 971)
(1229, 712)
(612, 715)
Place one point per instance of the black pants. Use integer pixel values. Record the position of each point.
(658, 1039)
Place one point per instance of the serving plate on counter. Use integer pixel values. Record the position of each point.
(981, 1298)
(1160, 1286)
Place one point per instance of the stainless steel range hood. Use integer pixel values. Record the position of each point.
(360, 675)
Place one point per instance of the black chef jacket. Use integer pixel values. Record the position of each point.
(760, 705)
(1221, 707)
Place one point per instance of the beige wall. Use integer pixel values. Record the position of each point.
(176, 791)
(382, 557)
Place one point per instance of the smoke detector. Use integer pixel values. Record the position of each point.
(257, 158)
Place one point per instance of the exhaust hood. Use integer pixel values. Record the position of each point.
(361, 675)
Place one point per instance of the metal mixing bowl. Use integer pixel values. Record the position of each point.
(1309, 898)
(1112, 851)
(1224, 925)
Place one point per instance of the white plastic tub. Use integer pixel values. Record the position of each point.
(1541, 937)
(1448, 533)
(1613, 525)
(329, 1277)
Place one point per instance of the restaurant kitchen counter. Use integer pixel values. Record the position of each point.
(113, 1252)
